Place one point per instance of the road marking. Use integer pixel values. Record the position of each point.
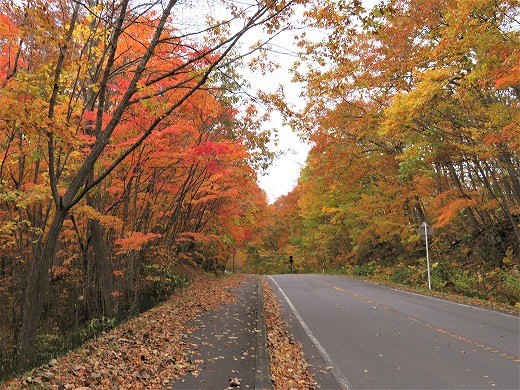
(335, 371)
(431, 326)
(455, 303)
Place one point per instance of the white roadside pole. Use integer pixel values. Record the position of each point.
(427, 258)
(425, 231)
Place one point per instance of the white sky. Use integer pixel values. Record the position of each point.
(282, 176)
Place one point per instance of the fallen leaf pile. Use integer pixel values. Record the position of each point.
(149, 351)
(289, 369)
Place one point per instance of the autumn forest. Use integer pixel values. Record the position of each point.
(130, 149)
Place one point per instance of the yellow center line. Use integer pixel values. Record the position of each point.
(434, 327)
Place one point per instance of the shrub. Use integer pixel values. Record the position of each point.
(403, 275)
(367, 269)
(463, 283)
(440, 276)
(508, 289)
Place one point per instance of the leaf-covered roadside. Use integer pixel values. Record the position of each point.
(146, 352)
(289, 369)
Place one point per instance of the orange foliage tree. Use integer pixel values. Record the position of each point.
(413, 113)
(120, 147)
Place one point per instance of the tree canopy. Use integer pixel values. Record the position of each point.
(412, 110)
(128, 150)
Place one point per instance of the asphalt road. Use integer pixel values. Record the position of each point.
(365, 336)
(226, 345)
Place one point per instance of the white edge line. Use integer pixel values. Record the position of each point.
(455, 303)
(335, 371)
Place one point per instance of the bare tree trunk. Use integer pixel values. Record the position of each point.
(86, 284)
(500, 197)
(103, 266)
(102, 262)
(468, 210)
(512, 171)
(36, 290)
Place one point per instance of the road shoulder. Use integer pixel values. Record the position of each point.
(285, 333)
(225, 345)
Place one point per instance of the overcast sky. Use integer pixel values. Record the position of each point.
(283, 175)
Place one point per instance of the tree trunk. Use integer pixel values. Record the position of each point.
(102, 262)
(104, 268)
(512, 172)
(468, 210)
(35, 292)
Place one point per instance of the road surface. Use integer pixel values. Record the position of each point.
(365, 336)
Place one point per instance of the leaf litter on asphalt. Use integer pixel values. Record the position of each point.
(149, 351)
(289, 369)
